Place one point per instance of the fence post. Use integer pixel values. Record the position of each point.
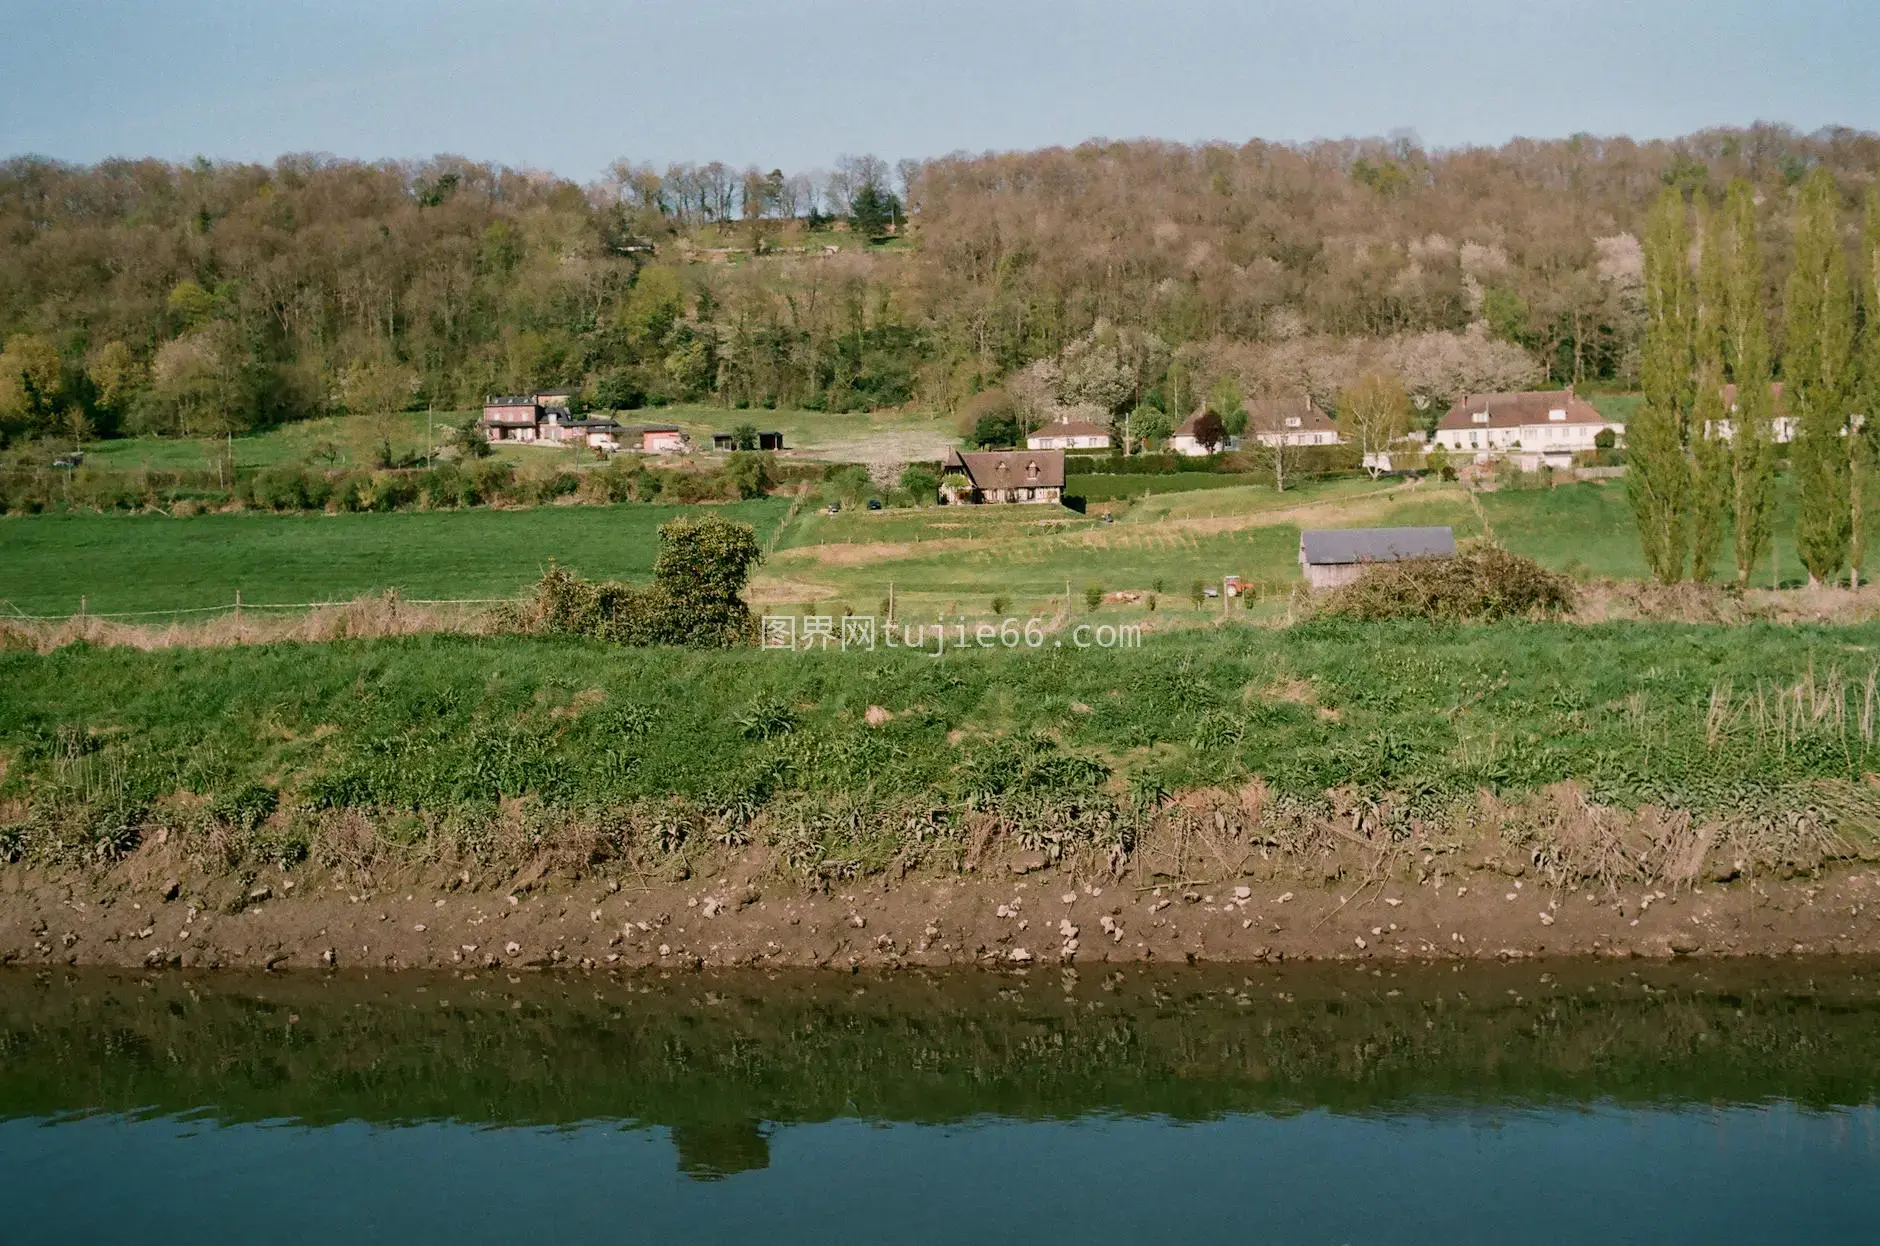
(238, 607)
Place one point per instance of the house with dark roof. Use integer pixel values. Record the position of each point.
(1290, 422)
(975, 476)
(1069, 435)
(1333, 556)
(1533, 429)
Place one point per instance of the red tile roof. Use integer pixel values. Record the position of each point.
(1516, 409)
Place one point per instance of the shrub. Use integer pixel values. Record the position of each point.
(1000, 603)
(920, 482)
(703, 566)
(749, 473)
(1480, 583)
(279, 489)
(492, 479)
(1093, 595)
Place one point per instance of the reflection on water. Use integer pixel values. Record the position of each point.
(1544, 1103)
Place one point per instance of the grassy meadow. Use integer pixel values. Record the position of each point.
(430, 734)
(937, 559)
(955, 559)
(152, 562)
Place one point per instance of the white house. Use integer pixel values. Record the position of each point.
(1533, 429)
(1069, 435)
(1783, 423)
(1290, 422)
(1184, 441)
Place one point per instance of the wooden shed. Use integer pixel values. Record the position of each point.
(1333, 556)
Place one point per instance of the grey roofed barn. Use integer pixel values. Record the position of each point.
(1337, 546)
(1332, 556)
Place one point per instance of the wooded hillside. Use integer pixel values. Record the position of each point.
(145, 296)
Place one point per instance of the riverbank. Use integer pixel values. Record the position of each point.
(143, 914)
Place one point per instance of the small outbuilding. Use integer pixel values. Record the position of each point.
(770, 440)
(1333, 556)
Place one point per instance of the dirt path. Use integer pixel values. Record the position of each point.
(1044, 916)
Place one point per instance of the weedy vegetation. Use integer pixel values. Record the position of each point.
(1333, 750)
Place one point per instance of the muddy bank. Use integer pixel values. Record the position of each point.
(1046, 915)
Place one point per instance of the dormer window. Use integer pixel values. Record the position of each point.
(1557, 415)
(1480, 417)
(1292, 421)
(1031, 470)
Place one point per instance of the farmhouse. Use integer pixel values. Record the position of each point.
(1533, 429)
(1290, 422)
(541, 416)
(1069, 435)
(765, 441)
(1333, 556)
(1002, 476)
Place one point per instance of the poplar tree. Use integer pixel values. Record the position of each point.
(1746, 351)
(1658, 478)
(1818, 324)
(1710, 454)
(1863, 431)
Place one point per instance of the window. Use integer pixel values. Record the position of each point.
(1292, 421)
(1557, 416)
(1480, 417)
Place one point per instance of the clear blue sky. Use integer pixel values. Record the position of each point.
(568, 85)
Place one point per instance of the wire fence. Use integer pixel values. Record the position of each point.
(237, 607)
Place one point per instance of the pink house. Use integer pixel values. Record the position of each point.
(512, 418)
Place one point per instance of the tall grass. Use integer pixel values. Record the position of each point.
(494, 748)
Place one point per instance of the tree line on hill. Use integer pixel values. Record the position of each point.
(143, 296)
(1702, 472)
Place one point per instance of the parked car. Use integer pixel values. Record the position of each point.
(874, 504)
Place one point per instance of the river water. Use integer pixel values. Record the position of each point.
(1502, 1103)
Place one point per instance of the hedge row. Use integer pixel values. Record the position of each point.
(288, 487)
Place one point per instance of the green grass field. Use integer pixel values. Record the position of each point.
(341, 442)
(1117, 488)
(955, 559)
(288, 443)
(149, 562)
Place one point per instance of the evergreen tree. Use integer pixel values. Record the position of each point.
(873, 210)
(1746, 351)
(1817, 351)
(1710, 456)
(1657, 478)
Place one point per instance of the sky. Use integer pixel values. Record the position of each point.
(571, 85)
